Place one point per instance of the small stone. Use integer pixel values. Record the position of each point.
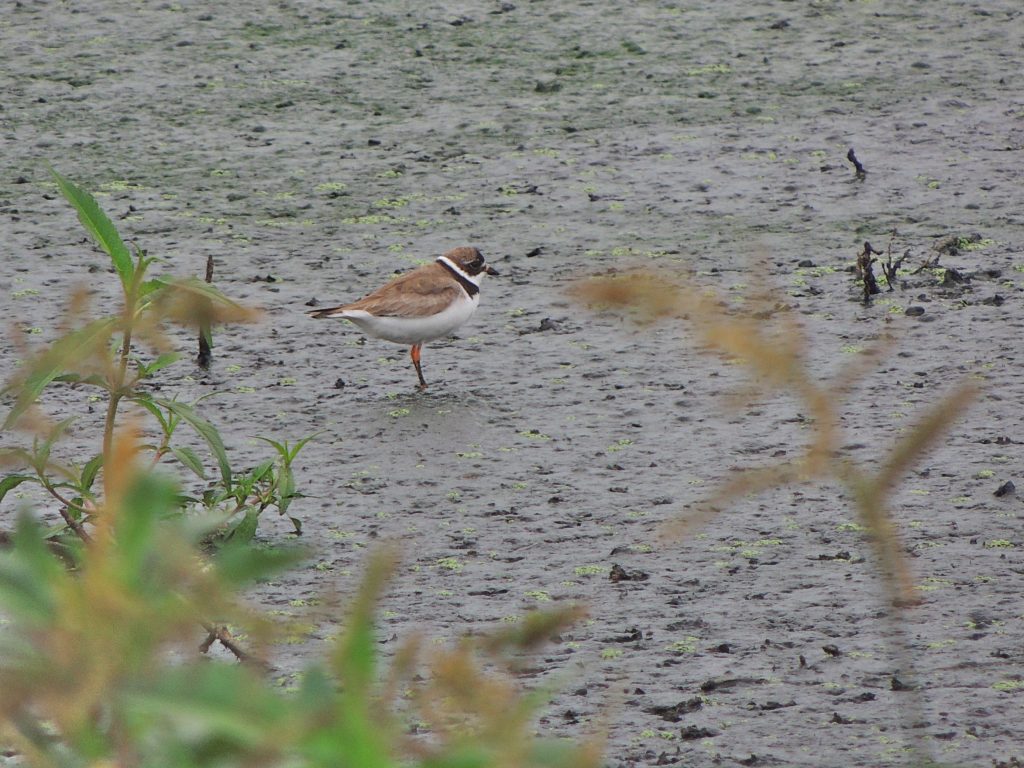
(898, 685)
(914, 311)
(1006, 489)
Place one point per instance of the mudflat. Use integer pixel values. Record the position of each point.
(315, 148)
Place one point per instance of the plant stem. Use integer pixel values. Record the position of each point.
(74, 525)
(65, 510)
(117, 386)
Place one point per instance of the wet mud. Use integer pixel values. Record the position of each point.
(313, 148)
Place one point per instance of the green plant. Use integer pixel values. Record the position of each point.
(270, 483)
(85, 645)
(104, 354)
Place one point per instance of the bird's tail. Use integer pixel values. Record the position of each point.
(328, 312)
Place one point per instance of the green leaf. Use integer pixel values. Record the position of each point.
(205, 429)
(164, 360)
(471, 755)
(285, 489)
(354, 662)
(208, 709)
(286, 451)
(152, 286)
(42, 450)
(11, 482)
(28, 573)
(206, 333)
(281, 449)
(242, 487)
(293, 451)
(245, 529)
(316, 690)
(263, 471)
(89, 472)
(355, 654)
(145, 400)
(237, 563)
(99, 226)
(190, 459)
(148, 499)
(66, 352)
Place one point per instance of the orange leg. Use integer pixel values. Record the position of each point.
(414, 353)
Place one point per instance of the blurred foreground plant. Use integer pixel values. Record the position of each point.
(98, 667)
(89, 636)
(772, 345)
(103, 354)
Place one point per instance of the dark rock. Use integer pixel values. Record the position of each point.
(1006, 489)
(674, 713)
(618, 573)
(692, 733)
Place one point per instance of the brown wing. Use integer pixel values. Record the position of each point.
(426, 290)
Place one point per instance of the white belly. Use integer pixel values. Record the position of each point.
(415, 330)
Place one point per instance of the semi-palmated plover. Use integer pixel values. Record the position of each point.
(422, 305)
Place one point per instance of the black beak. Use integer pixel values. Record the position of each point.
(492, 271)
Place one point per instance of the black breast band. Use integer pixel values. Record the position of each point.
(471, 288)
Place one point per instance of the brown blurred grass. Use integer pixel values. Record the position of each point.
(768, 341)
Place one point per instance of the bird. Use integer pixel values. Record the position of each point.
(424, 304)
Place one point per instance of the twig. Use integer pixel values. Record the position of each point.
(866, 271)
(223, 636)
(205, 332)
(928, 264)
(890, 267)
(860, 171)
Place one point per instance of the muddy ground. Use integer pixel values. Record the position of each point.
(315, 147)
